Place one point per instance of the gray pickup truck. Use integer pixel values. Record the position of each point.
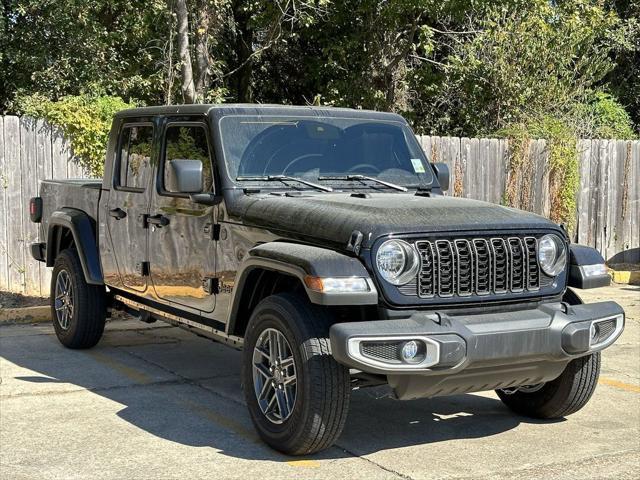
(321, 243)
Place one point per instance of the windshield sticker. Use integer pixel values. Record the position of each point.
(418, 166)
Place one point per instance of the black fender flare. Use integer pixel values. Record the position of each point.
(581, 256)
(299, 261)
(82, 228)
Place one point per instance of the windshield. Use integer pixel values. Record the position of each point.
(313, 148)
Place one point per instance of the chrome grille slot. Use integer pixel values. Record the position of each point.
(483, 266)
(518, 267)
(428, 270)
(500, 265)
(467, 267)
(446, 268)
(464, 273)
(533, 269)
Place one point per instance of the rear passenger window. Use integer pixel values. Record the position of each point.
(135, 156)
(188, 142)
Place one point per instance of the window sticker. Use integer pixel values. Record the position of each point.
(418, 167)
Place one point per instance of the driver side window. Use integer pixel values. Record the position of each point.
(188, 142)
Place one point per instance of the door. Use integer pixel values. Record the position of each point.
(128, 202)
(181, 237)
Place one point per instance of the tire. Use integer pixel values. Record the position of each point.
(561, 397)
(322, 386)
(83, 324)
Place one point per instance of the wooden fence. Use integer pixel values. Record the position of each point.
(608, 200)
(607, 214)
(30, 151)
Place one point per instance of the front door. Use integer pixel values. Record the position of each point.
(181, 244)
(128, 201)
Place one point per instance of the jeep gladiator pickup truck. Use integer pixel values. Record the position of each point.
(320, 242)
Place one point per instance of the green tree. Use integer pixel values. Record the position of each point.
(79, 46)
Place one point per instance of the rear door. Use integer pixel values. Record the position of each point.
(182, 246)
(129, 202)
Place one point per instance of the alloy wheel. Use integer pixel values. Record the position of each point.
(63, 301)
(274, 376)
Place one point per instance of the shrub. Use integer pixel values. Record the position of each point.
(607, 117)
(84, 120)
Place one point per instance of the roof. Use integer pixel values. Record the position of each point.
(220, 110)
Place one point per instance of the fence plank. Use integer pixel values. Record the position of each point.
(59, 155)
(611, 207)
(29, 182)
(582, 200)
(465, 147)
(471, 164)
(44, 171)
(4, 271)
(632, 254)
(15, 232)
(454, 162)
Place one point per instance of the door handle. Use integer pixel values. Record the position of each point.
(158, 220)
(117, 213)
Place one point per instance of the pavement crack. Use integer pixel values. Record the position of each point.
(194, 382)
(380, 466)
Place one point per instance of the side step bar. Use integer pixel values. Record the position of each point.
(202, 329)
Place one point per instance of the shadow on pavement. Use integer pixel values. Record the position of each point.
(205, 407)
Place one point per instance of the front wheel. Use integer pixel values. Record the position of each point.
(297, 394)
(561, 397)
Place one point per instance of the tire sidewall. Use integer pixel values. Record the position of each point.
(64, 262)
(274, 316)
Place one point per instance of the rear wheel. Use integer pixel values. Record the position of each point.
(297, 394)
(78, 309)
(561, 397)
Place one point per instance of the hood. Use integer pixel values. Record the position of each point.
(332, 217)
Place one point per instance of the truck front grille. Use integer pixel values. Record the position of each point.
(465, 267)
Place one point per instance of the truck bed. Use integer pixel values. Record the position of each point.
(79, 193)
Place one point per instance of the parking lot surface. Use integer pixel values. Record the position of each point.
(156, 402)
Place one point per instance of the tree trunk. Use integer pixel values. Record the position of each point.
(244, 50)
(202, 72)
(188, 88)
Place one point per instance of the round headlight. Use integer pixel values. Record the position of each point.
(552, 255)
(397, 262)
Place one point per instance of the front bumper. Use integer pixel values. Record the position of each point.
(482, 351)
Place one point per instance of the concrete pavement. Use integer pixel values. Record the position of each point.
(156, 402)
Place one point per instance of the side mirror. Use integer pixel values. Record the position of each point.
(184, 176)
(442, 172)
(205, 198)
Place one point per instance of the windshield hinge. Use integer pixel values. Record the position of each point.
(423, 192)
(355, 241)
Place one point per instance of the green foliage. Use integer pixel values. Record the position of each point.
(608, 118)
(185, 147)
(74, 47)
(84, 120)
(540, 58)
(452, 67)
(564, 179)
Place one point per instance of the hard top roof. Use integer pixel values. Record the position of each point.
(220, 110)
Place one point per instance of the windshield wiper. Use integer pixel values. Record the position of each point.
(280, 178)
(365, 177)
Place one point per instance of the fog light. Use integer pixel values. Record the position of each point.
(410, 350)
